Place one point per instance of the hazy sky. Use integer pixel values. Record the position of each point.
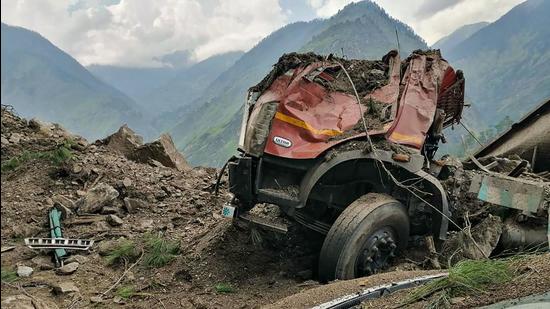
(150, 33)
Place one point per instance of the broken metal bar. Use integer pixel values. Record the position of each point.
(355, 299)
(59, 243)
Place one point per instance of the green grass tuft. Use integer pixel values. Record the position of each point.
(57, 156)
(126, 291)
(464, 278)
(8, 275)
(124, 250)
(224, 288)
(159, 251)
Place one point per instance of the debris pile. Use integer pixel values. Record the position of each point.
(108, 195)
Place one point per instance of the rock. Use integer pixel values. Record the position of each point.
(24, 230)
(96, 198)
(101, 226)
(21, 301)
(80, 193)
(61, 199)
(67, 269)
(65, 211)
(43, 127)
(114, 220)
(24, 271)
(96, 299)
(162, 150)
(15, 138)
(105, 247)
(109, 210)
(42, 262)
(125, 141)
(132, 205)
(127, 182)
(65, 287)
(486, 234)
(80, 259)
(146, 224)
(5, 141)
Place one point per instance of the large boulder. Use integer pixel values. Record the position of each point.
(161, 150)
(96, 198)
(125, 141)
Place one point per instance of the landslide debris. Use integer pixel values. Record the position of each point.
(168, 213)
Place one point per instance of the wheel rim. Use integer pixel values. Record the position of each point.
(376, 252)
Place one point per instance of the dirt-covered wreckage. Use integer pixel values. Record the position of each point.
(347, 148)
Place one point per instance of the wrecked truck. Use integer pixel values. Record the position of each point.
(347, 148)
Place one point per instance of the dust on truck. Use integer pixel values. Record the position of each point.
(346, 148)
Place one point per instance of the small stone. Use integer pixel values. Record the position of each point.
(77, 258)
(108, 210)
(19, 301)
(118, 300)
(80, 193)
(24, 271)
(65, 211)
(101, 226)
(98, 197)
(114, 220)
(42, 262)
(127, 182)
(96, 299)
(77, 169)
(15, 138)
(147, 224)
(65, 287)
(67, 269)
(132, 204)
(5, 141)
(65, 201)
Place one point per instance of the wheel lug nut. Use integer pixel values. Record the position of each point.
(374, 249)
(383, 241)
(393, 246)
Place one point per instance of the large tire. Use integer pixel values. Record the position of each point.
(372, 221)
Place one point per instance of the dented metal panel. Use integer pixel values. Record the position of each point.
(509, 192)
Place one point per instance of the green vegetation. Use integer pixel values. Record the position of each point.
(57, 156)
(157, 251)
(126, 291)
(123, 251)
(224, 288)
(160, 251)
(8, 275)
(465, 277)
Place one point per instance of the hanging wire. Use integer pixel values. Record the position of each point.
(389, 173)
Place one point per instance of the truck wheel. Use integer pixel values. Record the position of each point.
(366, 235)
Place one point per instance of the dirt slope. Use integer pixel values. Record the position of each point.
(177, 204)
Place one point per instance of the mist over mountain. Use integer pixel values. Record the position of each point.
(40, 80)
(164, 89)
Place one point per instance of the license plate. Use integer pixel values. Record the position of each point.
(228, 211)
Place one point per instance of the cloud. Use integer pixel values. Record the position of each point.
(139, 33)
(327, 8)
(430, 7)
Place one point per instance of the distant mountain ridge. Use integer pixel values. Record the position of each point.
(506, 63)
(41, 80)
(164, 89)
(447, 43)
(208, 135)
